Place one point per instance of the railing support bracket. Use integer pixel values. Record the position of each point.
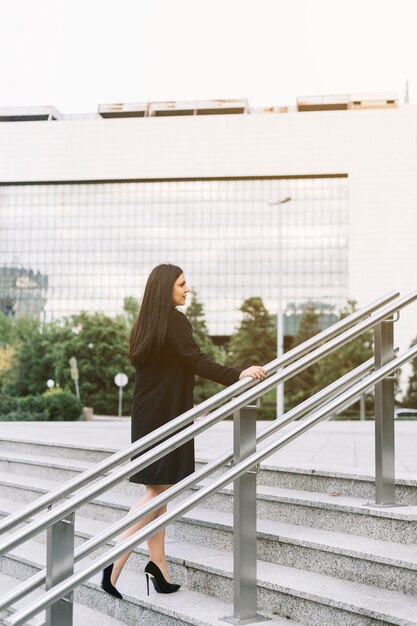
(384, 417)
(59, 566)
(244, 516)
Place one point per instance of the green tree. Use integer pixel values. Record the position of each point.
(14, 331)
(100, 345)
(13, 334)
(348, 356)
(131, 308)
(204, 388)
(410, 398)
(303, 385)
(255, 343)
(6, 330)
(6, 360)
(332, 367)
(32, 363)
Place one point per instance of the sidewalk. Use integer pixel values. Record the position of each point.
(331, 446)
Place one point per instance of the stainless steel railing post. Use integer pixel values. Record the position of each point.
(59, 566)
(384, 417)
(336, 402)
(244, 521)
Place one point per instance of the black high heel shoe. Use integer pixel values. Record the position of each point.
(161, 585)
(107, 585)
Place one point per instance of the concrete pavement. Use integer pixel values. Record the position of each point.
(334, 446)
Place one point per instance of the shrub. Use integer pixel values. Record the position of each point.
(57, 406)
(62, 406)
(20, 415)
(32, 404)
(7, 405)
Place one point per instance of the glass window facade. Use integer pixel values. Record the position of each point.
(86, 246)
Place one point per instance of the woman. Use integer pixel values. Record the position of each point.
(166, 358)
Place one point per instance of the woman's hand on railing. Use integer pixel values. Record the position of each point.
(254, 371)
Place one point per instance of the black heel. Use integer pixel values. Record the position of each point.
(147, 583)
(107, 585)
(161, 585)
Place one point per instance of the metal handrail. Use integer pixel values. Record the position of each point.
(62, 589)
(190, 432)
(117, 458)
(97, 541)
(252, 394)
(383, 314)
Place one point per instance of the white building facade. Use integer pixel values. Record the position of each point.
(324, 198)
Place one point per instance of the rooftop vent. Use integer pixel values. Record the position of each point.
(171, 107)
(384, 100)
(198, 107)
(222, 107)
(323, 103)
(123, 110)
(29, 114)
(273, 109)
(174, 107)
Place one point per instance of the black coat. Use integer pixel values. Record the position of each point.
(164, 389)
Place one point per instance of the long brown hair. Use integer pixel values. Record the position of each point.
(149, 331)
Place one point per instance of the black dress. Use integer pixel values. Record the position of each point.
(164, 389)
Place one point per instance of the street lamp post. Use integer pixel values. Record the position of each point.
(280, 307)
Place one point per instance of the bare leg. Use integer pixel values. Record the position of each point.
(156, 543)
(156, 547)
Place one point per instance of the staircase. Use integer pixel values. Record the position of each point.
(324, 556)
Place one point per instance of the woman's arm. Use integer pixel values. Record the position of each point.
(180, 335)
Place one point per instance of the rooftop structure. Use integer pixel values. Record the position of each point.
(205, 107)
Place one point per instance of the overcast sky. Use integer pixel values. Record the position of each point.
(75, 54)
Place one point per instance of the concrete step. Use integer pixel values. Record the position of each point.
(341, 514)
(24, 489)
(70, 459)
(332, 512)
(188, 606)
(34, 458)
(378, 563)
(360, 485)
(56, 469)
(82, 614)
(336, 513)
(331, 549)
(81, 452)
(306, 597)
